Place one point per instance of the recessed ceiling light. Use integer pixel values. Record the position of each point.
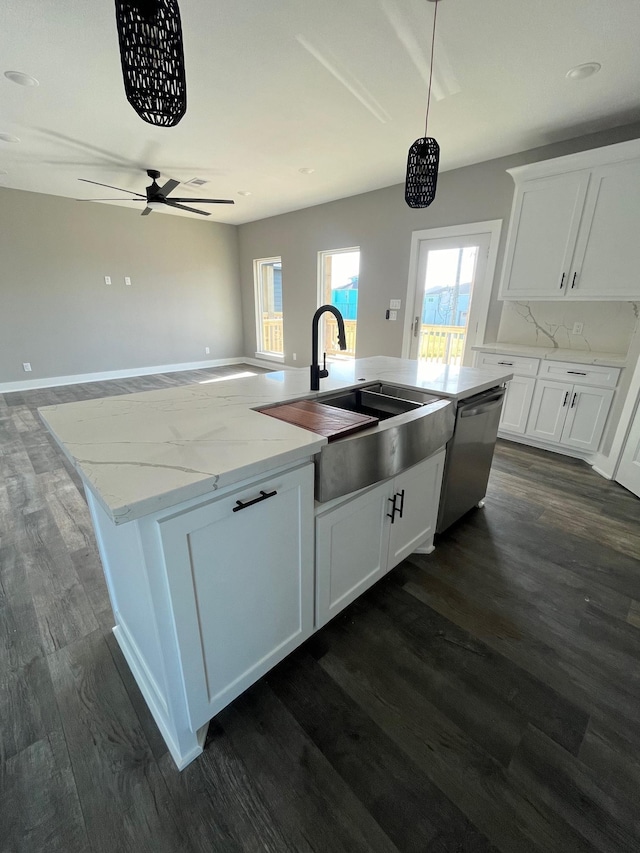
(7, 137)
(21, 79)
(581, 72)
(306, 171)
(244, 192)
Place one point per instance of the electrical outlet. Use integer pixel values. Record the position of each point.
(127, 280)
(294, 356)
(107, 279)
(577, 328)
(207, 350)
(395, 304)
(26, 366)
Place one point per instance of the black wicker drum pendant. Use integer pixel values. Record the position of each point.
(152, 57)
(424, 154)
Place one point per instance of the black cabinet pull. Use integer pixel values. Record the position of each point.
(577, 372)
(401, 507)
(508, 363)
(394, 509)
(573, 283)
(562, 281)
(263, 497)
(566, 397)
(573, 401)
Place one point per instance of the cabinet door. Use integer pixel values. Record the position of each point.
(517, 402)
(417, 492)
(549, 409)
(607, 258)
(542, 236)
(241, 583)
(352, 542)
(586, 417)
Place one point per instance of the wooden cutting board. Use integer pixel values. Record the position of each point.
(316, 417)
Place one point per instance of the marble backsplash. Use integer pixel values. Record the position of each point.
(606, 326)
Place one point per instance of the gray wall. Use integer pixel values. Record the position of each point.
(381, 224)
(57, 313)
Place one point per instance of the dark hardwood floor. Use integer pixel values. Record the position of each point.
(484, 698)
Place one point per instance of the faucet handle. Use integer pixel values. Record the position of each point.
(324, 372)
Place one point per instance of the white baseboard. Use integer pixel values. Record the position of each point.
(78, 378)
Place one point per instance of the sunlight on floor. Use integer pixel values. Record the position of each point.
(240, 375)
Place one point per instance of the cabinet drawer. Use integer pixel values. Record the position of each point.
(521, 365)
(580, 374)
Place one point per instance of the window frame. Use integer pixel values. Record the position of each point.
(261, 352)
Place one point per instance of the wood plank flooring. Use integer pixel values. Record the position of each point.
(483, 698)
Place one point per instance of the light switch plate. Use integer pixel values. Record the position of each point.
(107, 279)
(127, 280)
(393, 315)
(395, 304)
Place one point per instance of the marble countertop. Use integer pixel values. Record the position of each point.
(140, 453)
(609, 359)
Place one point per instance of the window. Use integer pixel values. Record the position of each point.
(339, 270)
(267, 276)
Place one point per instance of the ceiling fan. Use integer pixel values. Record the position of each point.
(156, 196)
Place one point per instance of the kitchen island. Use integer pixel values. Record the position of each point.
(209, 535)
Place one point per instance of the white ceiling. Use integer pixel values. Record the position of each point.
(338, 86)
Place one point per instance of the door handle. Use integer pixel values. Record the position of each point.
(415, 326)
(562, 281)
(566, 397)
(401, 507)
(573, 283)
(573, 401)
(394, 509)
(263, 497)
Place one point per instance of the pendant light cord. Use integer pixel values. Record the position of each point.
(433, 41)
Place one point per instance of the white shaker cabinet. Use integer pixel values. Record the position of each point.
(361, 538)
(573, 415)
(544, 228)
(240, 574)
(574, 226)
(516, 405)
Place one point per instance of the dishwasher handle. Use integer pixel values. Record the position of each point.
(482, 406)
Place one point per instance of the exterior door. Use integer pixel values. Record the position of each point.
(628, 474)
(449, 287)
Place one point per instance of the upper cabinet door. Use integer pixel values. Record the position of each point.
(606, 264)
(542, 236)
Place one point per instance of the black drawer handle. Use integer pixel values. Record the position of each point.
(508, 363)
(577, 372)
(263, 497)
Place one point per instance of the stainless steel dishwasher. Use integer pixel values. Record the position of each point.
(469, 455)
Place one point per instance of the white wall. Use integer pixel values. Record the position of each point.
(57, 313)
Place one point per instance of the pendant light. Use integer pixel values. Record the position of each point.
(424, 154)
(152, 58)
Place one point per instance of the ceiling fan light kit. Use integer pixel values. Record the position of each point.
(152, 58)
(424, 155)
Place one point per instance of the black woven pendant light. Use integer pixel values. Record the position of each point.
(424, 154)
(152, 57)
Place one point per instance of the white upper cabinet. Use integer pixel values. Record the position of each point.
(544, 227)
(574, 226)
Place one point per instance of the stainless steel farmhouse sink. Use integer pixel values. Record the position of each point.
(413, 426)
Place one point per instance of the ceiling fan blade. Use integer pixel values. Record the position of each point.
(169, 186)
(182, 207)
(206, 200)
(111, 199)
(131, 192)
(146, 211)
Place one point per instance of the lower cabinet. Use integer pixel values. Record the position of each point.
(516, 405)
(241, 579)
(573, 415)
(360, 539)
